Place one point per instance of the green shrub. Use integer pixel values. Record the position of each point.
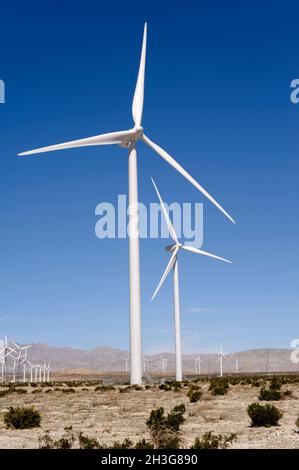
(175, 418)
(270, 394)
(164, 429)
(126, 444)
(165, 387)
(65, 442)
(22, 418)
(219, 386)
(194, 393)
(86, 442)
(3, 393)
(264, 415)
(143, 444)
(275, 383)
(213, 441)
(68, 390)
(37, 390)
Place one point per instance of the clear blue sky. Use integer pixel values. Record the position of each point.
(217, 98)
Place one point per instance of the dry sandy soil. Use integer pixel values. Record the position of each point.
(111, 416)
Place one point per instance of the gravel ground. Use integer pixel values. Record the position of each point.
(111, 416)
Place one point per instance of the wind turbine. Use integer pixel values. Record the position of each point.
(22, 355)
(220, 358)
(173, 263)
(197, 361)
(164, 362)
(237, 365)
(48, 371)
(5, 352)
(128, 139)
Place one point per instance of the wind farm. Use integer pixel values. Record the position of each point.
(149, 267)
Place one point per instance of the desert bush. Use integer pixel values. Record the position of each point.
(166, 387)
(213, 441)
(275, 383)
(256, 383)
(194, 393)
(164, 430)
(219, 386)
(22, 418)
(269, 395)
(37, 390)
(143, 444)
(287, 393)
(264, 415)
(68, 390)
(65, 442)
(175, 418)
(3, 393)
(126, 444)
(176, 385)
(86, 442)
(20, 391)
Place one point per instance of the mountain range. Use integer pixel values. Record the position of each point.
(107, 359)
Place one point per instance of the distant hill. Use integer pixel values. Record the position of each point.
(105, 358)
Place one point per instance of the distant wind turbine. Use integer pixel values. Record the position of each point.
(173, 263)
(128, 139)
(221, 356)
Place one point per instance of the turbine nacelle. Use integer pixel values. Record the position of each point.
(171, 248)
(135, 134)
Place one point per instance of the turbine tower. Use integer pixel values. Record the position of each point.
(197, 361)
(173, 263)
(221, 356)
(164, 362)
(128, 139)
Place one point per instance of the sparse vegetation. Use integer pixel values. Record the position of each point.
(126, 444)
(194, 393)
(65, 442)
(264, 415)
(214, 441)
(164, 429)
(219, 386)
(86, 442)
(270, 394)
(144, 444)
(22, 418)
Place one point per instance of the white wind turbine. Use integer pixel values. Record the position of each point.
(22, 357)
(128, 139)
(48, 371)
(5, 352)
(220, 358)
(164, 362)
(173, 263)
(198, 362)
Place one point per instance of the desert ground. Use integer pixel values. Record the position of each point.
(109, 415)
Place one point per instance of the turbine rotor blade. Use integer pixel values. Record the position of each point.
(166, 216)
(102, 139)
(137, 105)
(166, 272)
(205, 253)
(16, 345)
(183, 172)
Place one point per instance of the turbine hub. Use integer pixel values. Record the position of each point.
(171, 248)
(138, 133)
